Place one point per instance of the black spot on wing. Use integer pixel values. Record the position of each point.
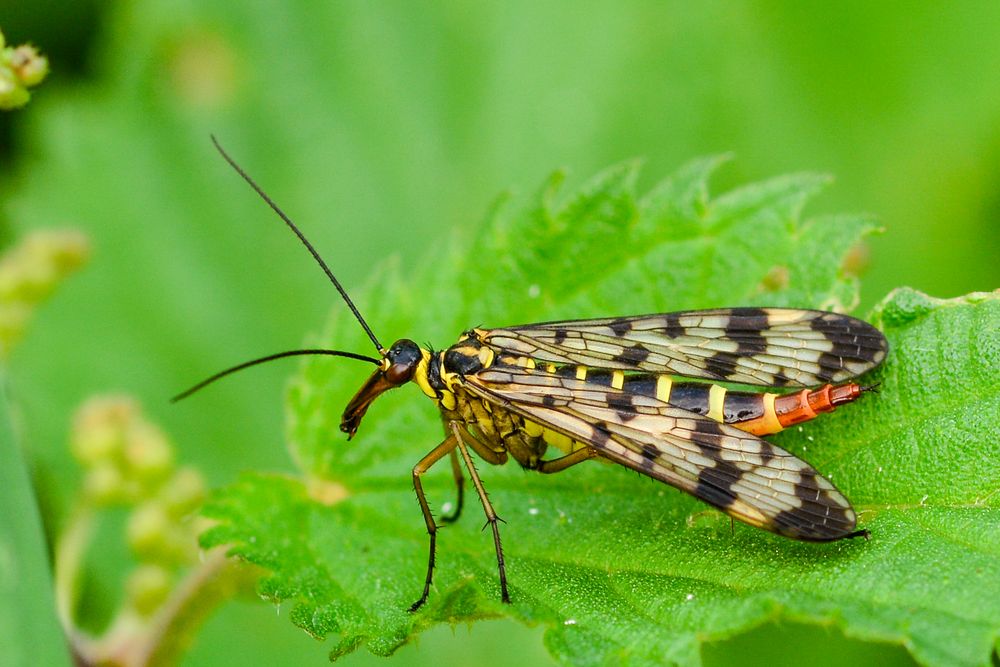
(830, 366)
(806, 526)
(766, 453)
(708, 427)
(748, 345)
(559, 336)
(711, 436)
(832, 362)
(721, 364)
(672, 327)
(852, 338)
(650, 458)
(632, 355)
(742, 320)
(621, 403)
(745, 326)
(715, 484)
(620, 326)
(600, 436)
(807, 488)
(708, 436)
(779, 379)
(835, 323)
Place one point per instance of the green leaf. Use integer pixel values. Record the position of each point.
(618, 567)
(29, 630)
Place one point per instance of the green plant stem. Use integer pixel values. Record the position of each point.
(70, 550)
(135, 641)
(216, 579)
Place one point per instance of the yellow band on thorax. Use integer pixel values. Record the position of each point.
(420, 375)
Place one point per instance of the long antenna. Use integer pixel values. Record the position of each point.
(305, 242)
(271, 357)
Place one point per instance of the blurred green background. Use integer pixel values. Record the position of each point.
(382, 128)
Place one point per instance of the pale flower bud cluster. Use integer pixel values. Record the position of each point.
(29, 272)
(128, 461)
(21, 67)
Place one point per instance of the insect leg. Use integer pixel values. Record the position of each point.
(563, 462)
(488, 454)
(435, 455)
(456, 469)
(491, 516)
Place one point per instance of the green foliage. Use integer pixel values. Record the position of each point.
(381, 125)
(615, 566)
(27, 617)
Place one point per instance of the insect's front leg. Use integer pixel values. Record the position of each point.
(435, 455)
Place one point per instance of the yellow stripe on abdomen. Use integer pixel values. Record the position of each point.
(663, 386)
(767, 423)
(533, 429)
(716, 400)
(617, 379)
(560, 441)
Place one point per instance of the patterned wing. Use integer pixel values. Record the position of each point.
(744, 476)
(758, 346)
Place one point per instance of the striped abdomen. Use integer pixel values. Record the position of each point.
(758, 413)
(755, 412)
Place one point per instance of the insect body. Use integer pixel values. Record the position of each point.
(606, 389)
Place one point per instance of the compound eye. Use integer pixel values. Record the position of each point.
(400, 373)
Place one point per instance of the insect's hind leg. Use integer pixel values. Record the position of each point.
(459, 434)
(432, 457)
(558, 465)
(456, 469)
